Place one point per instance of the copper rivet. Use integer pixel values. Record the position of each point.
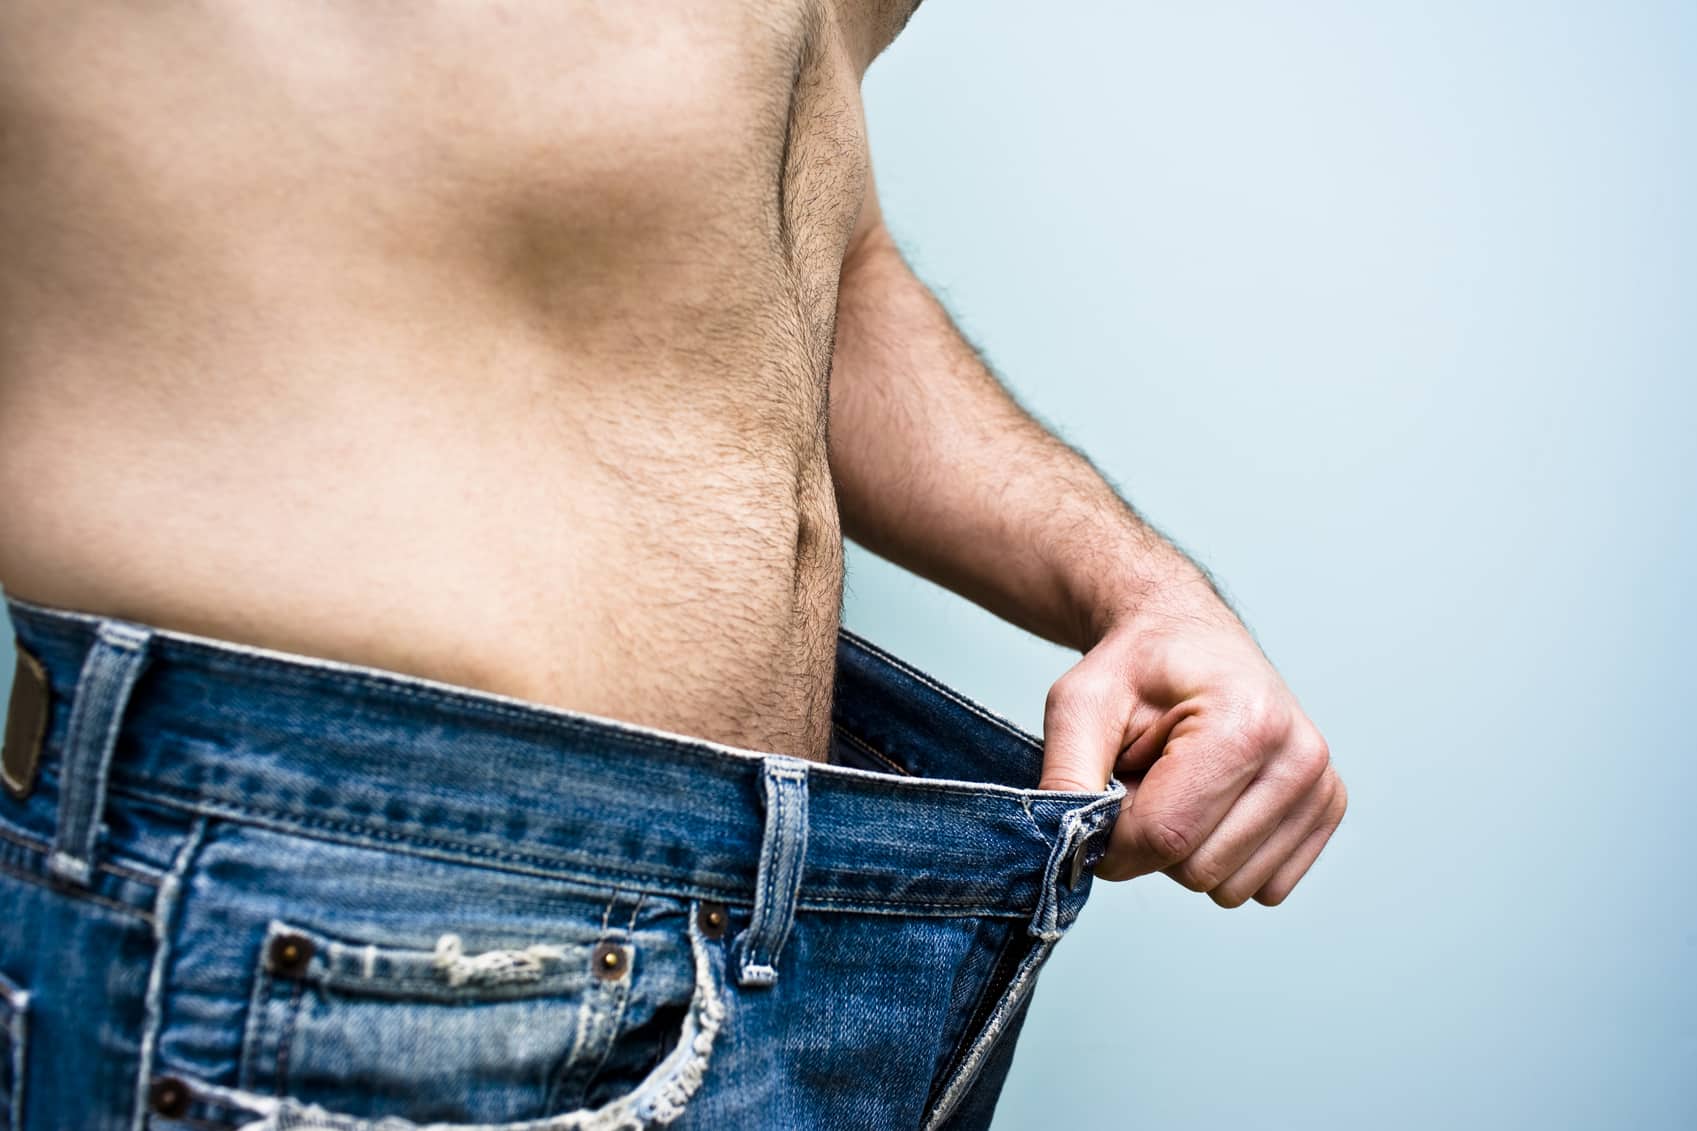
(169, 1097)
(290, 954)
(713, 919)
(609, 961)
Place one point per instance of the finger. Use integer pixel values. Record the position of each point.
(1287, 786)
(1293, 869)
(1181, 800)
(1084, 726)
(1238, 887)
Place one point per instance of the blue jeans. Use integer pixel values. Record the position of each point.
(260, 890)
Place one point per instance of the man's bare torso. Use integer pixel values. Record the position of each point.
(488, 343)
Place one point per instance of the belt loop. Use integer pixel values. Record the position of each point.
(783, 847)
(109, 672)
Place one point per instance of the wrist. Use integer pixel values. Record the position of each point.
(1151, 589)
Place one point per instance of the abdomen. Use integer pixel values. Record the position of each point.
(482, 352)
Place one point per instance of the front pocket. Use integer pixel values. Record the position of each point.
(474, 1027)
(14, 1044)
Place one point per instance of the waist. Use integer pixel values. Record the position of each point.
(618, 557)
(927, 806)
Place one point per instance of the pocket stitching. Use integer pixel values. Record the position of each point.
(14, 1004)
(658, 1098)
(286, 1038)
(565, 1073)
(326, 971)
(255, 1031)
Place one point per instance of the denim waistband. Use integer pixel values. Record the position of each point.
(347, 752)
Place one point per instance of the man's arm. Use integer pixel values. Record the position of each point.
(938, 469)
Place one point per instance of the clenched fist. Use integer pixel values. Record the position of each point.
(1231, 789)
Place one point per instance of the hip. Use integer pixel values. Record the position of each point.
(265, 890)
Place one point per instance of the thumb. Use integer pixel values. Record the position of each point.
(1084, 727)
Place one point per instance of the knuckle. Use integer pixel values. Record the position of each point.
(1328, 791)
(1075, 689)
(1271, 897)
(1228, 897)
(1340, 799)
(1311, 757)
(1198, 875)
(1169, 840)
(1265, 720)
(1244, 754)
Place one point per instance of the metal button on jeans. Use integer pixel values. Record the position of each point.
(1076, 872)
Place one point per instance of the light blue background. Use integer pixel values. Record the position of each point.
(1386, 313)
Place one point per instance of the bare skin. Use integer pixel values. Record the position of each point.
(552, 350)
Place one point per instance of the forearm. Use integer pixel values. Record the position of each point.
(939, 470)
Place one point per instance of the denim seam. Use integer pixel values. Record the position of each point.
(660, 1098)
(606, 1035)
(302, 670)
(219, 654)
(566, 1071)
(370, 837)
(293, 1011)
(254, 1029)
(607, 911)
(965, 1075)
(44, 849)
(570, 1069)
(546, 722)
(193, 800)
(1031, 819)
(305, 671)
(542, 866)
(47, 882)
(895, 907)
(986, 714)
(963, 1045)
(14, 995)
(17, 1001)
(850, 775)
(1076, 830)
(153, 1003)
(621, 1002)
(866, 747)
(684, 890)
(1045, 919)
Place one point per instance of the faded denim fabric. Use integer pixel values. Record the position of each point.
(260, 890)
